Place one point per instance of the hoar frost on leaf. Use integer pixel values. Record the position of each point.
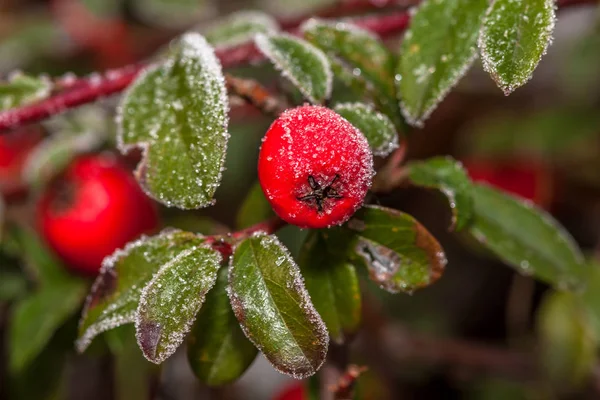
(115, 294)
(269, 299)
(438, 49)
(239, 28)
(170, 301)
(22, 89)
(306, 66)
(513, 38)
(177, 112)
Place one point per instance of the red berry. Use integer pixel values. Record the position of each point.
(314, 167)
(15, 147)
(526, 179)
(292, 392)
(95, 208)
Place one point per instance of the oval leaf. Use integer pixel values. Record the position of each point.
(115, 295)
(270, 301)
(170, 301)
(177, 112)
(303, 64)
(218, 351)
(239, 28)
(333, 287)
(22, 89)
(437, 51)
(399, 252)
(359, 54)
(254, 209)
(377, 128)
(513, 39)
(526, 237)
(448, 176)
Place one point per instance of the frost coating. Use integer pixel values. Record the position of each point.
(170, 301)
(377, 127)
(274, 308)
(115, 294)
(240, 27)
(306, 66)
(513, 38)
(437, 51)
(177, 113)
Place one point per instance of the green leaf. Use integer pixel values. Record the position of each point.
(358, 53)
(568, 342)
(514, 36)
(38, 316)
(448, 176)
(270, 301)
(436, 52)
(377, 128)
(399, 252)
(333, 287)
(240, 27)
(254, 209)
(218, 351)
(170, 301)
(115, 295)
(526, 237)
(591, 296)
(177, 112)
(12, 285)
(22, 89)
(306, 66)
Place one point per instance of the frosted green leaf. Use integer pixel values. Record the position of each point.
(115, 295)
(526, 238)
(514, 37)
(240, 27)
(360, 59)
(268, 297)
(437, 51)
(400, 253)
(449, 177)
(306, 66)
(177, 113)
(22, 89)
(377, 127)
(170, 301)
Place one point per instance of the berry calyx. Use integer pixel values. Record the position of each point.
(314, 167)
(94, 208)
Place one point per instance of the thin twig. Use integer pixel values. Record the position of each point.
(344, 388)
(255, 94)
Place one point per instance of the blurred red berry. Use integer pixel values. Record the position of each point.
(526, 179)
(295, 391)
(314, 167)
(94, 208)
(15, 147)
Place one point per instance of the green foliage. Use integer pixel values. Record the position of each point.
(254, 209)
(239, 28)
(448, 176)
(22, 89)
(177, 112)
(436, 52)
(333, 286)
(270, 301)
(514, 36)
(377, 128)
(217, 350)
(303, 64)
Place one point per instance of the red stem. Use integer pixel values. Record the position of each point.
(86, 90)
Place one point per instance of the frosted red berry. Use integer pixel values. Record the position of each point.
(94, 208)
(314, 167)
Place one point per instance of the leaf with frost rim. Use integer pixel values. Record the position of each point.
(265, 45)
(173, 338)
(305, 306)
(491, 67)
(26, 90)
(425, 111)
(386, 128)
(88, 331)
(255, 22)
(207, 61)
